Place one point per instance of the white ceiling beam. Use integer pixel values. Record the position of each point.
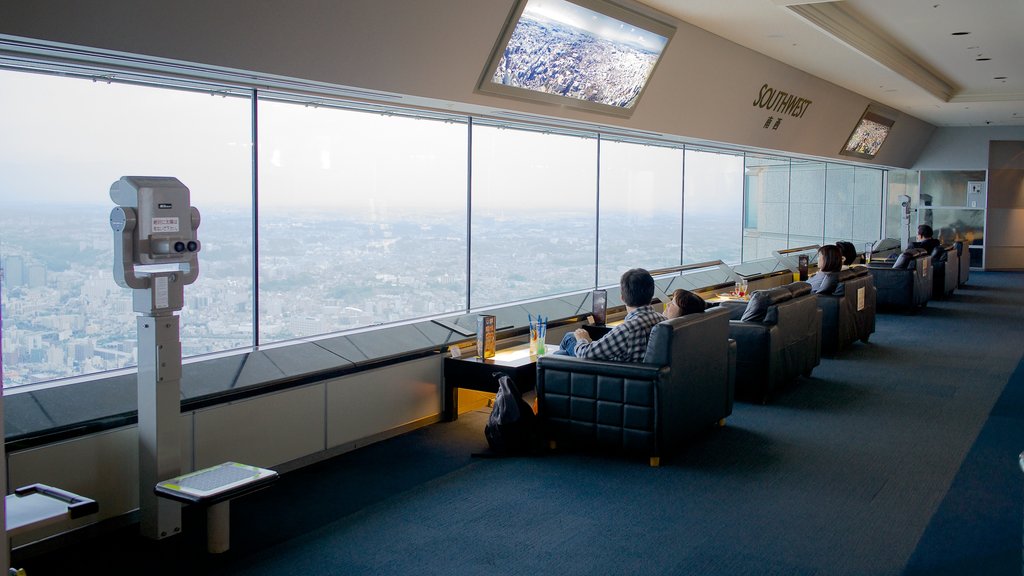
(843, 25)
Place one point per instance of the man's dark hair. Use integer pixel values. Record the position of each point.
(924, 231)
(849, 252)
(637, 287)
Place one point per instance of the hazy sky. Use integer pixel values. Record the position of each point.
(72, 138)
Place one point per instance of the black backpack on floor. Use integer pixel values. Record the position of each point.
(512, 425)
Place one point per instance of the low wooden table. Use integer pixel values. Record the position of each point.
(476, 373)
(728, 297)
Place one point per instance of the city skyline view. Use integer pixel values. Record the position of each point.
(364, 218)
(64, 316)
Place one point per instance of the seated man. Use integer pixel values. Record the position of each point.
(849, 252)
(924, 238)
(627, 342)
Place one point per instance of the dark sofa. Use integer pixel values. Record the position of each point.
(848, 313)
(685, 384)
(905, 284)
(946, 273)
(778, 338)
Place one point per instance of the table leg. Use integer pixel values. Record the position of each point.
(449, 402)
(218, 527)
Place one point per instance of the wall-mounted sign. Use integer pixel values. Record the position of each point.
(780, 104)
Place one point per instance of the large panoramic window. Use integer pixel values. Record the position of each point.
(64, 142)
(534, 214)
(362, 219)
(366, 217)
(641, 208)
(712, 205)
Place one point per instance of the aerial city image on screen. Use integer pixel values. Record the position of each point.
(560, 48)
(867, 138)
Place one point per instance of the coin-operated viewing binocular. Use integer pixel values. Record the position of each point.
(155, 241)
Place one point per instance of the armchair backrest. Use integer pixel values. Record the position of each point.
(762, 304)
(907, 283)
(683, 336)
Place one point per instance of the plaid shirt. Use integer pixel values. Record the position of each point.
(627, 342)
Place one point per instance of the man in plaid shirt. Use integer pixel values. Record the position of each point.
(627, 342)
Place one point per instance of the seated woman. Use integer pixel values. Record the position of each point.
(830, 262)
(683, 302)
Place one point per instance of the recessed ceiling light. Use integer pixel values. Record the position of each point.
(960, 33)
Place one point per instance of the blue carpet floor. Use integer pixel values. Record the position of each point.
(977, 528)
(897, 457)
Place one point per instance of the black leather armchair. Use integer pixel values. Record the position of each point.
(946, 273)
(778, 338)
(685, 383)
(905, 284)
(848, 314)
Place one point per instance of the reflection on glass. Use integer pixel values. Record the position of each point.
(899, 183)
(853, 204)
(952, 224)
(641, 209)
(949, 187)
(63, 315)
(806, 203)
(766, 210)
(362, 219)
(534, 214)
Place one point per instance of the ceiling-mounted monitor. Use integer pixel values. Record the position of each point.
(868, 135)
(588, 54)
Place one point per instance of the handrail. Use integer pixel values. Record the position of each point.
(798, 249)
(784, 257)
(687, 267)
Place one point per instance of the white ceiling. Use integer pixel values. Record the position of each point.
(901, 53)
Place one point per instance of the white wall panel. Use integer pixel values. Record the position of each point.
(367, 403)
(262, 431)
(104, 467)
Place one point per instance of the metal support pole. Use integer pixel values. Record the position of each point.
(159, 388)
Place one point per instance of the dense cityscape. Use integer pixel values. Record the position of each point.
(64, 316)
(551, 57)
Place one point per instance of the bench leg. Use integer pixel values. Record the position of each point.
(218, 527)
